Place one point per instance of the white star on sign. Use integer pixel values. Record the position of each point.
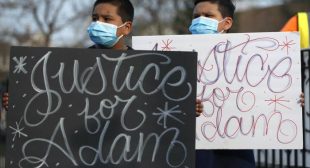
(18, 131)
(20, 65)
(165, 113)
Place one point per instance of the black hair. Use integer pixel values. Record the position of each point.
(226, 7)
(125, 8)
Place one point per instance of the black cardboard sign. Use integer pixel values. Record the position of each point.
(101, 108)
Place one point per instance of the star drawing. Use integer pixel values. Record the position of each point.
(17, 131)
(278, 101)
(166, 113)
(167, 45)
(287, 44)
(20, 65)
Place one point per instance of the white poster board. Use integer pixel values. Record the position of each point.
(249, 84)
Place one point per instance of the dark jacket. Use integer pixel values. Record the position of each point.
(102, 47)
(225, 159)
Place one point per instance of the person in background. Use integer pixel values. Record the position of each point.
(5, 96)
(300, 22)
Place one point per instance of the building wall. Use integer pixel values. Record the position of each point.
(267, 19)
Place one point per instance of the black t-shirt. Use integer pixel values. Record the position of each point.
(96, 46)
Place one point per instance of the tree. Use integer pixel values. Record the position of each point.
(183, 17)
(40, 22)
(161, 16)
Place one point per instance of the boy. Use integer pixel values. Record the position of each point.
(112, 22)
(211, 17)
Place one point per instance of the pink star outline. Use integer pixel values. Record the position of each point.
(278, 101)
(287, 44)
(167, 45)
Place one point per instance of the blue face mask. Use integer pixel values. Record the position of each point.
(103, 33)
(204, 25)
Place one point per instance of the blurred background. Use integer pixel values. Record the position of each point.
(63, 23)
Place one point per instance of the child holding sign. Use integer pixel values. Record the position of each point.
(213, 17)
(111, 23)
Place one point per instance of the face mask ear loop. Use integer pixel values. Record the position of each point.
(118, 39)
(122, 25)
(221, 22)
(122, 34)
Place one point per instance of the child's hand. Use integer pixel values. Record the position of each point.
(199, 107)
(5, 101)
(302, 99)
